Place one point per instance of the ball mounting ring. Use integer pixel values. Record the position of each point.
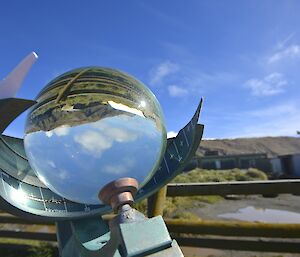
(119, 192)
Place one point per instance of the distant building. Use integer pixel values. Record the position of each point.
(286, 165)
(223, 162)
(283, 165)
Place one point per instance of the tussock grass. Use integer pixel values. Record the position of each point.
(201, 175)
(181, 207)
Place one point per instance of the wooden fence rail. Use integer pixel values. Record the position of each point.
(204, 229)
(266, 187)
(28, 235)
(260, 245)
(207, 233)
(233, 228)
(200, 227)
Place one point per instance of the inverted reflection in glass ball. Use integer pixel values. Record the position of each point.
(92, 126)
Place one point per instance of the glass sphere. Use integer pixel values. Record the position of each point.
(91, 126)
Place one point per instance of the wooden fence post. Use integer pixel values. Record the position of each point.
(156, 202)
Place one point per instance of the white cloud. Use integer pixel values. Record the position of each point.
(171, 134)
(124, 166)
(63, 174)
(276, 126)
(94, 142)
(59, 131)
(163, 70)
(116, 169)
(183, 78)
(62, 131)
(176, 91)
(275, 120)
(120, 135)
(291, 51)
(51, 163)
(114, 133)
(281, 44)
(102, 137)
(276, 110)
(270, 85)
(49, 133)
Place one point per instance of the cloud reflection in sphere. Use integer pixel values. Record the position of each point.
(91, 126)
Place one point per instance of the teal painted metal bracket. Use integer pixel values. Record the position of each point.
(11, 108)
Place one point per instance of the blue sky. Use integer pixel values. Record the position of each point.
(243, 57)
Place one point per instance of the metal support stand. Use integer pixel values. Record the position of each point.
(129, 234)
(79, 232)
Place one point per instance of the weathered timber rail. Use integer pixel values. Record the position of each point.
(200, 227)
(234, 235)
(263, 187)
(28, 235)
(261, 245)
(233, 228)
(207, 228)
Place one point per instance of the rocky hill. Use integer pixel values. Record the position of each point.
(273, 146)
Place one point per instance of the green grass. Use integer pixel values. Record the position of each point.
(34, 249)
(181, 207)
(201, 175)
(19, 241)
(141, 206)
(44, 249)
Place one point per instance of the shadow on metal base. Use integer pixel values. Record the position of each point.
(148, 237)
